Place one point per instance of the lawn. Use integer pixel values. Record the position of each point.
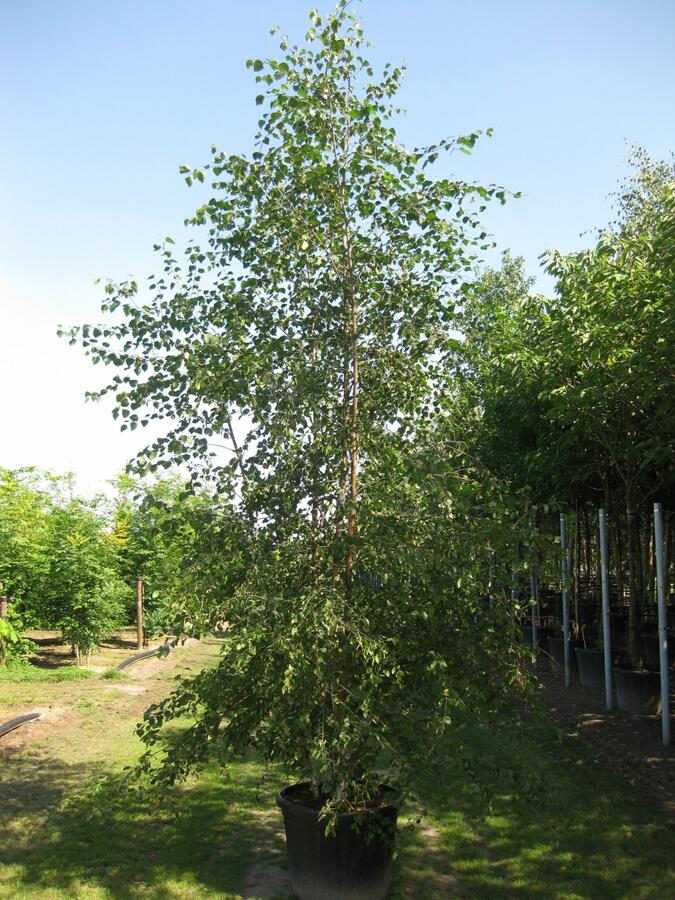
(547, 822)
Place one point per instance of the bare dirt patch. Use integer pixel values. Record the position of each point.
(134, 690)
(267, 876)
(424, 870)
(91, 710)
(146, 668)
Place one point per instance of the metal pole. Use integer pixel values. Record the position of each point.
(139, 612)
(565, 602)
(663, 635)
(606, 629)
(3, 615)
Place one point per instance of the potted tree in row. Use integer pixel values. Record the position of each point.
(312, 332)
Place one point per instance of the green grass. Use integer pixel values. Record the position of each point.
(114, 675)
(64, 833)
(16, 674)
(548, 822)
(197, 843)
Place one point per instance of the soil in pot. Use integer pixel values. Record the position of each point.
(350, 864)
(591, 665)
(556, 646)
(638, 692)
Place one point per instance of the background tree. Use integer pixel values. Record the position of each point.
(186, 546)
(82, 588)
(573, 396)
(24, 510)
(612, 367)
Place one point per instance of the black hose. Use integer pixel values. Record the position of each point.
(15, 723)
(139, 656)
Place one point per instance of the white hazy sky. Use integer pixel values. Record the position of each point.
(100, 102)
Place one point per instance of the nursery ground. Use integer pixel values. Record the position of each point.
(632, 745)
(518, 809)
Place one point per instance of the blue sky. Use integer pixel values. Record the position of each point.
(101, 102)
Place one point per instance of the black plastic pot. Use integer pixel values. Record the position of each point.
(556, 646)
(618, 629)
(351, 864)
(528, 636)
(591, 664)
(650, 648)
(638, 692)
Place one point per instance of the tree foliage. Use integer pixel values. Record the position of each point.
(576, 393)
(320, 314)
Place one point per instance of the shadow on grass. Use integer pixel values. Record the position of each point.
(548, 823)
(52, 661)
(56, 838)
(54, 640)
(120, 642)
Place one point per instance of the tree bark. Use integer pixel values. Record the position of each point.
(634, 650)
(587, 536)
(577, 561)
(667, 529)
(620, 567)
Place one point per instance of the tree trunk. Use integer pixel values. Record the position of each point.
(597, 589)
(641, 559)
(576, 568)
(651, 561)
(617, 543)
(587, 536)
(634, 650)
(667, 529)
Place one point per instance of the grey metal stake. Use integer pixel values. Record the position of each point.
(663, 635)
(565, 602)
(606, 630)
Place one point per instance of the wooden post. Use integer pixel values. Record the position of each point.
(139, 612)
(3, 615)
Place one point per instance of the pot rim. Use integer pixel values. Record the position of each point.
(300, 808)
(629, 671)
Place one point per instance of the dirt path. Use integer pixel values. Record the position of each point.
(86, 715)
